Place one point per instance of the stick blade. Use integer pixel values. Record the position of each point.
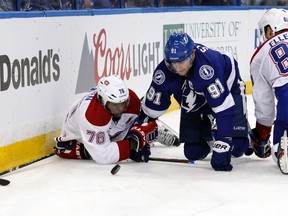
(171, 160)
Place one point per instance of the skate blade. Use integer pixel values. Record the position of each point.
(282, 157)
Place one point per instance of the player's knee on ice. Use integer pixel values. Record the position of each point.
(196, 151)
(240, 146)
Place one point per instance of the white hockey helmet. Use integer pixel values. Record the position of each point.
(276, 18)
(112, 89)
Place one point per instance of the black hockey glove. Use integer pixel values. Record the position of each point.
(261, 147)
(142, 155)
(221, 157)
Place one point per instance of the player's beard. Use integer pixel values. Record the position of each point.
(118, 113)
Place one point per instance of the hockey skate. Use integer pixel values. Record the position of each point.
(282, 154)
(167, 136)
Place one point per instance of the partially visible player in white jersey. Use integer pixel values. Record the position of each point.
(269, 74)
(101, 127)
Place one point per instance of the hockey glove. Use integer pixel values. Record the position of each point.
(71, 150)
(144, 134)
(260, 140)
(142, 155)
(221, 157)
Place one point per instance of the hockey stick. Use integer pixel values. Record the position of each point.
(26, 164)
(171, 160)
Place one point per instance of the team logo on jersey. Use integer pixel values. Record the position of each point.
(206, 72)
(159, 77)
(191, 100)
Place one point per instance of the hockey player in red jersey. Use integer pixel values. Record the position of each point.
(269, 74)
(101, 127)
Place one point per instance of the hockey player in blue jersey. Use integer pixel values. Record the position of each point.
(207, 85)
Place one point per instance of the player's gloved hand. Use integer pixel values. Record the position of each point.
(143, 118)
(260, 140)
(71, 150)
(142, 155)
(221, 157)
(143, 135)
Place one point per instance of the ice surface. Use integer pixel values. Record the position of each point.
(62, 187)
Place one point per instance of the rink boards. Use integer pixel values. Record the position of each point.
(48, 62)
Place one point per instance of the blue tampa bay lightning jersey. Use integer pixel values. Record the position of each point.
(212, 79)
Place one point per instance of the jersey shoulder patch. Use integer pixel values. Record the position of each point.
(159, 77)
(206, 72)
(96, 114)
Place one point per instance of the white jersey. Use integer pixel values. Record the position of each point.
(90, 123)
(268, 69)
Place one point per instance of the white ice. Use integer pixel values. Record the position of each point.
(56, 186)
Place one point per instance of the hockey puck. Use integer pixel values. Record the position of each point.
(4, 182)
(115, 169)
